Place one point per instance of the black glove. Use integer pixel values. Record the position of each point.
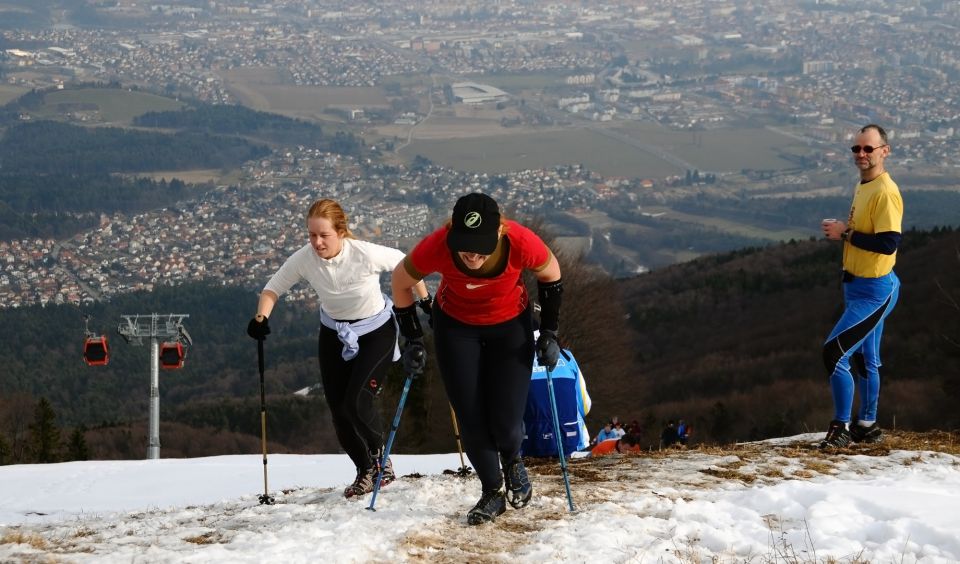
(413, 357)
(548, 349)
(426, 306)
(258, 329)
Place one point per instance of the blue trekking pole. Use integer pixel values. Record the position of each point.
(556, 432)
(393, 433)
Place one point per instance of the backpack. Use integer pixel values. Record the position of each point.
(539, 439)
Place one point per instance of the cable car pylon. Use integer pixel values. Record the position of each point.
(176, 340)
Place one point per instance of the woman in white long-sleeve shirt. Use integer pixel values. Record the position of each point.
(358, 336)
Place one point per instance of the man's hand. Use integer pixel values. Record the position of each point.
(548, 349)
(258, 328)
(413, 357)
(833, 228)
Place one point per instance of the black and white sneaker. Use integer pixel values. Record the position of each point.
(837, 436)
(519, 488)
(388, 474)
(866, 434)
(363, 484)
(492, 504)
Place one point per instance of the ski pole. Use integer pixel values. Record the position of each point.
(265, 499)
(464, 469)
(393, 433)
(556, 432)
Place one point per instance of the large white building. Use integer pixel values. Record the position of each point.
(474, 93)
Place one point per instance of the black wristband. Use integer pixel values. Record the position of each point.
(409, 323)
(549, 295)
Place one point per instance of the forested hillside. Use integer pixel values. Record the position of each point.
(733, 342)
(242, 121)
(56, 178)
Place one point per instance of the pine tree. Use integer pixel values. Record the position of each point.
(4, 451)
(77, 448)
(44, 434)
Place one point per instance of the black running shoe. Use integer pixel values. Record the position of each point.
(519, 489)
(363, 484)
(492, 503)
(861, 434)
(837, 436)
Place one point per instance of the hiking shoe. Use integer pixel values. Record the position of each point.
(492, 503)
(861, 434)
(388, 474)
(837, 436)
(519, 489)
(363, 484)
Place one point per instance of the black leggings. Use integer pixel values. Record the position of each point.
(486, 370)
(351, 386)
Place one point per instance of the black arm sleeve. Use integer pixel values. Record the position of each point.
(549, 294)
(885, 243)
(408, 321)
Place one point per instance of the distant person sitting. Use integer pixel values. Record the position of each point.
(623, 445)
(668, 437)
(618, 429)
(607, 433)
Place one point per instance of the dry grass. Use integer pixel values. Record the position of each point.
(18, 536)
(210, 537)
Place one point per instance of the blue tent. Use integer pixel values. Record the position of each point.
(573, 404)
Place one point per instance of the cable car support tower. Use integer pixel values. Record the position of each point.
(169, 327)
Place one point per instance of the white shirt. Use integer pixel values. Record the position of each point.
(348, 285)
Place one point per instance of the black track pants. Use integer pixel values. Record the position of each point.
(351, 386)
(486, 370)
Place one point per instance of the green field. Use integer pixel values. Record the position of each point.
(116, 106)
(264, 89)
(9, 92)
(720, 149)
(520, 151)
(715, 150)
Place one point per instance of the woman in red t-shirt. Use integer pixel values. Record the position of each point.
(484, 336)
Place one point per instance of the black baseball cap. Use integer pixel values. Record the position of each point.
(476, 225)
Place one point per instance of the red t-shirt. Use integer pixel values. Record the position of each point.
(476, 299)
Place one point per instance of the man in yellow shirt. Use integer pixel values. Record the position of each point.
(870, 239)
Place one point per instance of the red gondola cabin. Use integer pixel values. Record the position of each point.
(171, 355)
(95, 351)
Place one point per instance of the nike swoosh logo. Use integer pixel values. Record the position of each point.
(475, 286)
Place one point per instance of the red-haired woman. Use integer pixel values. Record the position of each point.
(358, 335)
(484, 335)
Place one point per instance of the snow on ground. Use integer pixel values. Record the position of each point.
(778, 500)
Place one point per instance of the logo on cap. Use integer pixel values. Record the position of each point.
(473, 220)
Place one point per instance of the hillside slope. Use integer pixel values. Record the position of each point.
(733, 342)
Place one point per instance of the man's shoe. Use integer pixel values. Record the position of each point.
(867, 435)
(492, 503)
(837, 436)
(519, 488)
(363, 484)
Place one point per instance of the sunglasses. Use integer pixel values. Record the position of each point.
(866, 148)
